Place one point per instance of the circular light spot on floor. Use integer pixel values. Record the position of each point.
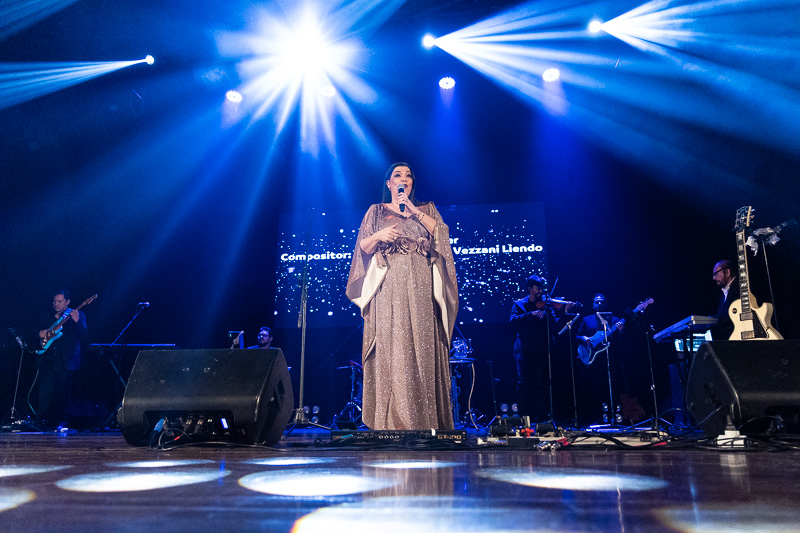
(313, 482)
(432, 513)
(23, 470)
(136, 481)
(11, 498)
(573, 479)
(289, 461)
(162, 464)
(744, 518)
(410, 465)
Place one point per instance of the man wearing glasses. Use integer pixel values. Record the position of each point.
(264, 339)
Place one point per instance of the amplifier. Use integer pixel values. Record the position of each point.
(400, 437)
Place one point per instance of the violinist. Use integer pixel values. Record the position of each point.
(532, 317)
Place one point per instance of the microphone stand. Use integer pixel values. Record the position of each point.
(656, 419)
(547, 309)
(12, 423)
(612, 419)
(299, 417)
(113, 415)
(572, 366)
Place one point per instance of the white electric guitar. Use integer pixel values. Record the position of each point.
(750, 320)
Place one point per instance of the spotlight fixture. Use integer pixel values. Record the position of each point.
(149, 59)
(447, 83)
(595, 26)
(233, 96)
(327, 90)
(551, 74)
(428, 41)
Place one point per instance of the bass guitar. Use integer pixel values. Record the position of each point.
(587, 351)
(54, 332)
(750, 321)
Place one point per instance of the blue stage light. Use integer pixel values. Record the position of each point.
(233, 96)
(595, 26)
(149, 59)
(428, 41)
(302, 61)
(551, 74)
(447, 83)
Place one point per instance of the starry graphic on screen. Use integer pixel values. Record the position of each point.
(495, 247)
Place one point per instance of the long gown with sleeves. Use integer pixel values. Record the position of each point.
(408, 296)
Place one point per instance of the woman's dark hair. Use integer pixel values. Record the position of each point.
(387, 194)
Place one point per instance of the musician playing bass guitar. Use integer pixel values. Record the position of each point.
(60, 359)
(593, 377)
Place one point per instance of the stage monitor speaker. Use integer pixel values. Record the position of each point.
(242, 396)
(748, 380)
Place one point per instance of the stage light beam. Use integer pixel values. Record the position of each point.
(301, 61)
(21, 82)
(428, 41)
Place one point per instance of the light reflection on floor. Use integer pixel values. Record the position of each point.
(10, 498)
(126, 482)
(741, 518)
(440, 514)
(289, 461)
(316, 482)
(573, 479)
(160, 464)
(403, 465)
(23, 470)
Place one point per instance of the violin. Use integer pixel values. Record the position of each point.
(555, 303)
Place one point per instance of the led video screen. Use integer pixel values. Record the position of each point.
(495, 247)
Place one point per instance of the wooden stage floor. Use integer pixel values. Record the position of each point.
(91, 481)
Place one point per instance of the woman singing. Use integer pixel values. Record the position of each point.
(403, 279)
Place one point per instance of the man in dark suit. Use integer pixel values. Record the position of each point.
(724, 276)
(61, 361)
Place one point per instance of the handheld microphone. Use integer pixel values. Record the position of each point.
(144, 304)
(401, 190)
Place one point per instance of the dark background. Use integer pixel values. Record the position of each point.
(128, 185)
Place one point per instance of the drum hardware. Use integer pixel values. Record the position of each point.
(350, 415)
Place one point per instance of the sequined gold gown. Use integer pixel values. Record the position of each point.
(408, 296)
